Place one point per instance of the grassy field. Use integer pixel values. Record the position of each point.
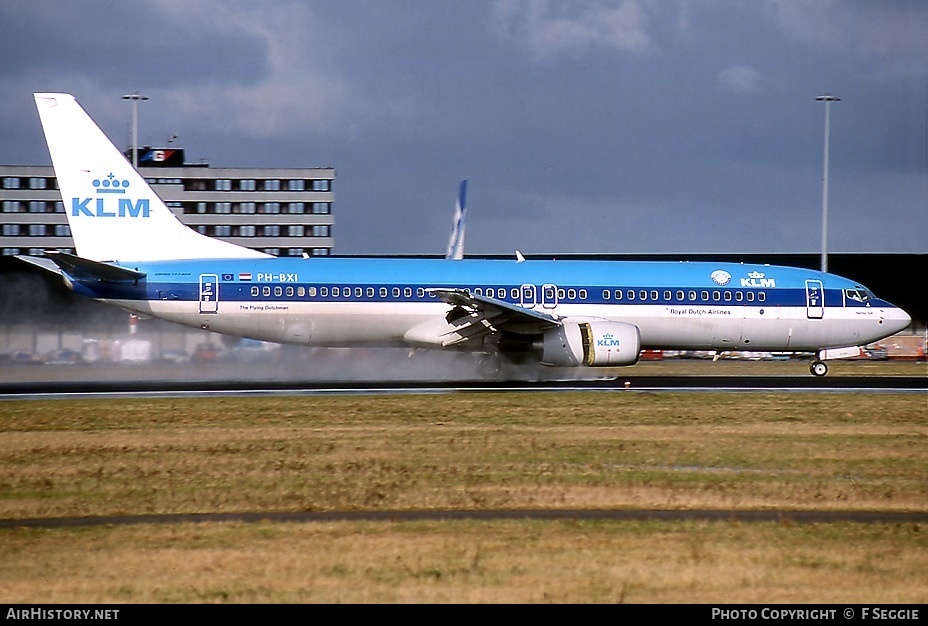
(623, 449)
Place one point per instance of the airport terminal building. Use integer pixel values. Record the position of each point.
(281, 211)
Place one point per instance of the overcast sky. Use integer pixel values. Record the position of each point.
(603, 126)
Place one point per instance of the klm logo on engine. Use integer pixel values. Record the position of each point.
(106, 204)
(758, 279)
(608, 340)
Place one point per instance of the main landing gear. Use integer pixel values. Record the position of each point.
(818, 368)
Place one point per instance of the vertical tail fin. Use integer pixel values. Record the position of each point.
(113, 213)
(456, 242)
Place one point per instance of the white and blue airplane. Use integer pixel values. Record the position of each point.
(132, 252)
(456, 241)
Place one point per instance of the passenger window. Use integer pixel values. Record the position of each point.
(407, 292)
(667, 295)
(336, 292)
(358, 292)
(396, 292)
(606, 294)
(761, 296)
(750, 296)
(370, 292)
(692, 295)
(643, 294)
(383, 292)
(680, 296)
(618, 294)
(727, 296)
(254, 292)
(289, 292)
(631, 294)
(265, 291)
(571, 294)
(704, 296)
(278, 291)
(716, 296)
(739, 296)
(583, 294)
(324, 292)
(654, 295)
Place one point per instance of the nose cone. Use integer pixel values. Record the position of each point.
(895, 320)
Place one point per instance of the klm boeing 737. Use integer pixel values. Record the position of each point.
(132, 252)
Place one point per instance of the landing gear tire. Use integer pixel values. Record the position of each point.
(818, 368)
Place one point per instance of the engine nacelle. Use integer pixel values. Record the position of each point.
(595, 343)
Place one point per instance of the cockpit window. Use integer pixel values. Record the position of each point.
(859, 294)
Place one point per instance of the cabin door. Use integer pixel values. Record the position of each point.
(209, 293)
(815, 300)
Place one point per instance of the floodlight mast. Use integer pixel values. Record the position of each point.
(827, 98)
(135, 98)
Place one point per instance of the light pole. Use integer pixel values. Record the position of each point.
(827, 98)
(135, 97)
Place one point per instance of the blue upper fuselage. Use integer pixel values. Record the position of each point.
(237, 279)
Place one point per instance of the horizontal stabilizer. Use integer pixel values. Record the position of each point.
(85, 269)
(41, 262)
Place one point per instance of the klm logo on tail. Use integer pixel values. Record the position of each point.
(103, 206)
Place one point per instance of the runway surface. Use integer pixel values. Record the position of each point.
(794, 517)
(146, 386)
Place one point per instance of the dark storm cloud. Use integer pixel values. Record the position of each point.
(120, 43)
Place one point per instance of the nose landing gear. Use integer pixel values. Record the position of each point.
(818, 368)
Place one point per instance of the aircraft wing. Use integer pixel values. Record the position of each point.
(473, 317)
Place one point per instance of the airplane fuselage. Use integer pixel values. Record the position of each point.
(340, 301)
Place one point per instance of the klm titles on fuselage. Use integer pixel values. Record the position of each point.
(104, 187)
(758, 280)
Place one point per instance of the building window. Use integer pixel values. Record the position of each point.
(36, 206)
(37, 183)
(223, 207)
(320, 230)
(11, 230)
(194, 185)
(321, 185)
(246, 184)
(270, 207)
(223, 184)
(295, 230)
(36, 230)
(272, 230)
(12, 206)
(296, 208)
(296, 185)
(10, 182)
(62, 230)
(322, 208)
(271, 185)
(248, 208)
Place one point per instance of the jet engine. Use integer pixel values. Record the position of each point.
(595, 343)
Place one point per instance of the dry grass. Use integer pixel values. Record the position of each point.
(468, 450)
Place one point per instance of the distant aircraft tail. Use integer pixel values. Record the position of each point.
(456, 242)
(113, 213)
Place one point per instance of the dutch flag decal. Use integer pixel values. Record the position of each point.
(245, 277)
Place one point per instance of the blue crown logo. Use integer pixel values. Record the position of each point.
(110, 184)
